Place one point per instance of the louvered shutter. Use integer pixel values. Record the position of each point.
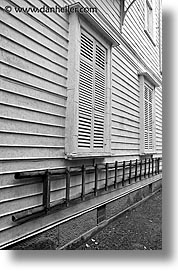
(148, 117)
(85, 92)
(99, 96)
(92, 92)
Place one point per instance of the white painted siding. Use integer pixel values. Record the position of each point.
(133, 32)
(33, 87)
(109, 9)
(125, 108)
(33, 60)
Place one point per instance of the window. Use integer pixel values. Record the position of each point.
(150, 19)
(149, 12)
(147, 113)
(148, 117)
(92, 94)
(88, 114)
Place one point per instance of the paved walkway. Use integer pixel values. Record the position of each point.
(137, 229)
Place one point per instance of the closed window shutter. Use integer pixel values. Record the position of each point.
(99, 97)
(148, 117)
(85, 92)
(92, 92)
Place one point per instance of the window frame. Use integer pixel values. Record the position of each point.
(76, 22)
(151, 5)
(146, 79)
(147, 114)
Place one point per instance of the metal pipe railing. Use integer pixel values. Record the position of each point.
(123, 173)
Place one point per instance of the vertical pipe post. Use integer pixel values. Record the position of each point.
(152, 166)
(115, 181)
(67, 186)
(96, 180)
(123, 173)
(149, 168)
(145, 168)
(140, 169)
(106, 183)
(156, 166)
(83, 182)
(136, 170)
(46, 191)
(130, 171)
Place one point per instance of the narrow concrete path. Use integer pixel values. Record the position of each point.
(137, 229)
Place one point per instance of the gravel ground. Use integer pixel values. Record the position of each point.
(137, 229)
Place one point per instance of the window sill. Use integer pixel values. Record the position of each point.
(150, 37)
(87, 156)
(147, 154)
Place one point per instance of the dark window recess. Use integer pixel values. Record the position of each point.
(101, 213)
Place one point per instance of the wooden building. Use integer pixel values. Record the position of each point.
(80, 113)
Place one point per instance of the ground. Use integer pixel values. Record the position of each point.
(137, 229)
